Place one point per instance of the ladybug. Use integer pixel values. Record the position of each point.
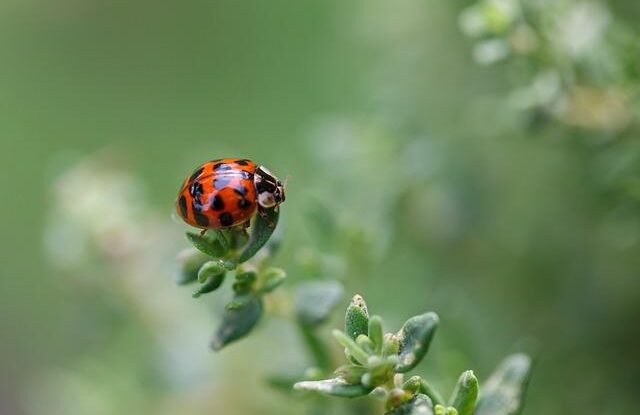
(228, 192)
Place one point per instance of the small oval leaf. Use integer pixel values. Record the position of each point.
(190, 260)
(261, 230)
(504, 391)
(314, 301)
(356, 319)
(211, 284)
(418, 405)
(333, 387)
(415, 337)
(465, 394)
(237, 323)
(273, 278)
(205, 244)
(210, 269)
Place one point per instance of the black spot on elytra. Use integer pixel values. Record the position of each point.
(242, 162)
(244, 204)
(182, 202)
(221, 182)
(201, 219)
(225, 219)
(221, 166)
(195, 189)
(217, 203)
(245, 174)
(195, 174)
(241, 190)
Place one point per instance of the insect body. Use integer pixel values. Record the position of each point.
(227, 192)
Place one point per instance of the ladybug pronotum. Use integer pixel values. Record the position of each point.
(227, 192)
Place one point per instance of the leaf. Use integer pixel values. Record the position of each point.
(190, 260)
(237, 323)
(261, 231)
(415, 337)
(503, 394)
(333, 387)
(351, 348)
(314, 301)
(206, 245)
(376, 333)
(416, 384)
(211, 284)
(273, 278)
(419, 405)
(356, 319)
(210, 269)
(465, 394)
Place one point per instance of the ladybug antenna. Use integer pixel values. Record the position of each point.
(286, 180)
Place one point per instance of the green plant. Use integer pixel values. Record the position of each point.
(219, 252)
(378, 361)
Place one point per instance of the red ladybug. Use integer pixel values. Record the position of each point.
(227, 192)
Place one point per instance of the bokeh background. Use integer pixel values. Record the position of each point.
(479, 159)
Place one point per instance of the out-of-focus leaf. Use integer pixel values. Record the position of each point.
(356, 319)
(237, 323)
(465, 394)
(504, 391)
(261, 231)
(415, 337)
(190, 260)
(273, 278)
(239, 301)
(211, 284)
(419, 405)
(333, 387)
(314, 301)
(206, 244)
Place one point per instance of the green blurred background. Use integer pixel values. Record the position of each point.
(478, 159)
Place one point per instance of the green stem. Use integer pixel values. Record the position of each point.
(316, 347)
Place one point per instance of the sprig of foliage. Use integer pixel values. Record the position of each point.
(377, 362)
(217, 253)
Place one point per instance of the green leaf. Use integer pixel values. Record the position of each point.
(211, 284)
(190, 260)
(416, 384)
(351, 348)
(419, 405)
(465, 394)
(261, 231)
(415, 337)
(206, 245)
(356, 319)
(314, 301)
(210, 269)
(504, 391)
(237, 323)
(273, 278)
(222, 240)
(350, 373)
(333, 387)
(376, 333)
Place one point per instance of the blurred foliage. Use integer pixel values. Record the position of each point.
(476, 158)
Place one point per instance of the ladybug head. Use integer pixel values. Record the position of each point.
(270, 190)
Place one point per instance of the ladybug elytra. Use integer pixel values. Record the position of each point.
(227, 192)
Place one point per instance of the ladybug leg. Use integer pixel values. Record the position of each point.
(202, 232)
